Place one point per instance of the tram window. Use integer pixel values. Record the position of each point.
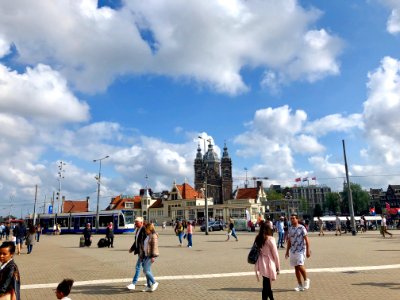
(128, 216)
(63, 221)
(105, 220)
(84, 220)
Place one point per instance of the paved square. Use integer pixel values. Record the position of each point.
(362, 267)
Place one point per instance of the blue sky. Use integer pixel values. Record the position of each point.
(281, 82)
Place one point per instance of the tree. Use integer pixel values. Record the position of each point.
(304, 206)
(318, 210)
(332, 202)
(273, 195)
(360, 199)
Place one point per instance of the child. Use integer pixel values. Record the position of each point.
(64, 288)
(9, 274)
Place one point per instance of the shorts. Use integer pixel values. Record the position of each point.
(297, 259)
(19, 241)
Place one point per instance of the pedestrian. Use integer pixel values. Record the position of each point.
(9, 275)
(268, 264)
(338, 226)
(138, 249)
(2, 230)
(164, 225)
(19, 232)
(150, 254)
(87, 234)
(348, 225)
(189, 233)
(7, 230)
(30, 238)
(299, 247)
(179, 231)
(64, 288)
(363, 224)
(110, 235)
(38, 232)
(384, 227)
(281, 233)
(232, 231)
(321, 226)
(285, 228)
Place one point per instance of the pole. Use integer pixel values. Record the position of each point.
(353, 221)
(98, 199)
(34, 207)
(98, 192)
(206, 204)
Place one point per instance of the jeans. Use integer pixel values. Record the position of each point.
(189, 238)
(233, 233)
(37, 236)
(180, 236)
(139, 263)
(29, 247)
(280, 238)
(147, 271)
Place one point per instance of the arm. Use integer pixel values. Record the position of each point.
(275, 254)
(289, 244)
(308, 250)
(7, 276)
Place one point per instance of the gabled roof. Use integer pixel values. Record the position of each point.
(187, 191)
(119, 203)
(70, 206)
(157, 204)
(247, 193)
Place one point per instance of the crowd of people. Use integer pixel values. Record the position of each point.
(292, 235)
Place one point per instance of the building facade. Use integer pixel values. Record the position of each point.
(215, 173)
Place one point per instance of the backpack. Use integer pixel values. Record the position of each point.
(253, 254)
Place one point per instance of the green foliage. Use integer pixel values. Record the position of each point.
(332, 202)
(360, 197)
(303, 206)
(273, 195)
(318, 212)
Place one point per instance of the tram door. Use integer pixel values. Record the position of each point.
(115, 221)
(76, 224)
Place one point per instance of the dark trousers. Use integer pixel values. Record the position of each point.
(110, 241)
(267, 291)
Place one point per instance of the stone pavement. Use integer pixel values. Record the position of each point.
(184, 273)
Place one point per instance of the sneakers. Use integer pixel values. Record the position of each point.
(147, 289)
(307, 283)
(131, 286)
(299, 288)
(154, 286)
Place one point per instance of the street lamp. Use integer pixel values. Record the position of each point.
(60, 173)
(98, 190)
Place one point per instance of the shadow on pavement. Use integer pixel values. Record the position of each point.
(390, 285)
(103, 290)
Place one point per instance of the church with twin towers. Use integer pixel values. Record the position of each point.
(215, 173)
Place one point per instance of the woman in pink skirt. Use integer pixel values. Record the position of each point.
(268, 264)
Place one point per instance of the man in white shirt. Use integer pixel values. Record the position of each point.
(299, 246)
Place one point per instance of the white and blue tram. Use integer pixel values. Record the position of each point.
(76, 222)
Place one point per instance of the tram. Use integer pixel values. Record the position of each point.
(76, 222)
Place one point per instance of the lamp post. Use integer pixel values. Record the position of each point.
(61, 172)
(98, 190)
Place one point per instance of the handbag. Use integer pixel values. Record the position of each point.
(253, 254)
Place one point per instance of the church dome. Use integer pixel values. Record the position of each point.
(211, 155)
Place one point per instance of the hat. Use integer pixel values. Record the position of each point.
(139, 219)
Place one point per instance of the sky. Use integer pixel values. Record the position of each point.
(282, 83)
